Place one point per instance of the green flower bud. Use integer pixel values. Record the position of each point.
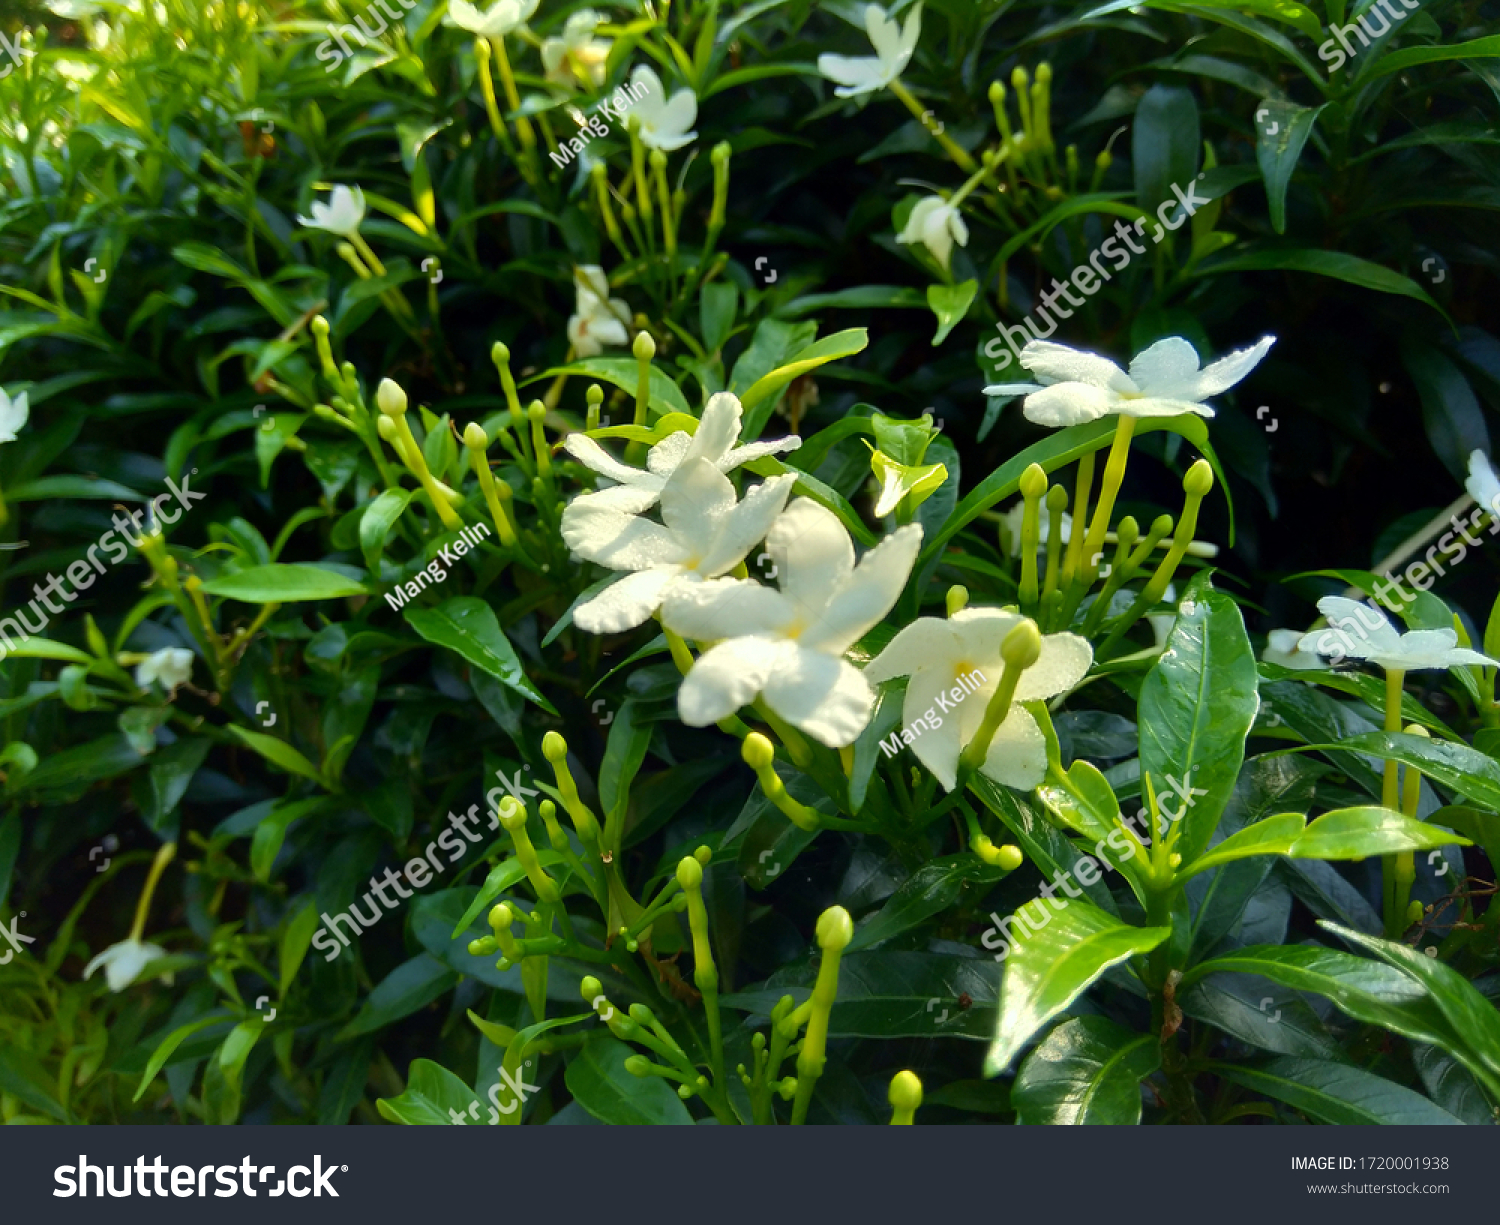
(475, 438)
(390, 398)
(643, 347)
(757, 751)
(1022, 646)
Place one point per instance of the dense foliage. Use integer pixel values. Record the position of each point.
(570, 565)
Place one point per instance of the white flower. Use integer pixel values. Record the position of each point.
(1164, 381)
(341, 215)
(937, 225)
(1483, 485)
(893, 51)
(597, 319)
(1012, 522)
(1359, 631)
(706, 534)
(168, 667)
(124, 962)
(787, 645)
(663, 123)
(639, 490)
(935, 653)
(577, 51)
(13, 414)
(1283, 647)
(503, 17)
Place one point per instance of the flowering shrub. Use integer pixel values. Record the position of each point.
(899, 712)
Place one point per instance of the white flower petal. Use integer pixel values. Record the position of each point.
(694, 502)
(1066, 404)
(1153, 407)
(1227, 371)
(621, 542)
(588, 452)
(1012, 389)
(1055, 363)
(726, 608)
(746, 525)
(664, 457)
(621, 499)
(821, 695)
(937, 748)
(718, 429)
(1371, 628)
(855, 76)
(860, 601)
(1017, 755)
(919, 645)
(812, 553)
(1483, 485)
(13, 414)
(729, 676)
(1064, 661)
(1167, 370)
(626, 604)
(737, 456)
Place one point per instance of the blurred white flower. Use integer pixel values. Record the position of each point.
(577, 55)
(638, 490)
(936, 224)
(1012, 521)
(893, 45)
(1283, 648)
(341, 215)
(663, 123)
(787, 645)
(501, 19)
(1483, 485)
(124, 962)
(1358, 631)
(168, 667)
(13, 414)
(706, 534)
(1164, 381)
(935, 653)
(597, 319)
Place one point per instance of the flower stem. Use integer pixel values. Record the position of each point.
(962, 159)
(1114, 477)
(158, 866)
(1390, 797)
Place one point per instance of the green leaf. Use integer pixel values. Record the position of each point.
(1356, 833)
(1273, 836)
(1458, 767)
(1089, 1070)
(1282, 129)
(277, 752)
(431, 1093)
(862, 297)
(48, 488)
(1197, 706)
(598, 1081)
(45, 648)
(282, 583)
(624, 752)
(1165, 144)
(295, 939)
(467, 625)
(717, 303)
(170, 1043)
(1048, 969)
(662, 394)
(1450, 409)
(1395, 61)
(931, 889)
(501, 877)
(810, 357)
(266, 842)
(1336, 1093)
(950, 303)
(412, 985)
(1470, 1014)
(1261, 1014)
(22, 1076)
(1339, 265)
(376, 523)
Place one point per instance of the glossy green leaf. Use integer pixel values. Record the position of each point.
(1165, 144)
(819, 353)
(412, 985)
(1336, 1092)
(1282, 129)
(663, 395)
(1356, 833)
(1340, 265)
(376, 523)
(598, 1081)
(1458, 767)
(1197, 706)
(1088, 1070)
(277, 752)
(265, 845)
(931, 889)
(950, 303)
(1048, 969)
(1397, 61)
(283, 583)
(468, 625)
(431, 1093)
(1273, 836)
